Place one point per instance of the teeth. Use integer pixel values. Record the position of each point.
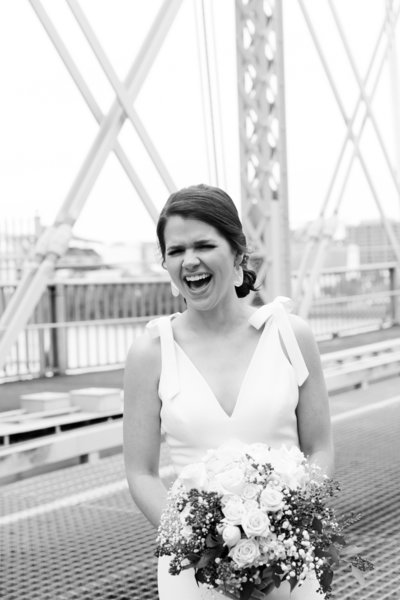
(197, 277)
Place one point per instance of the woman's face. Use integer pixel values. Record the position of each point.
(200, 261)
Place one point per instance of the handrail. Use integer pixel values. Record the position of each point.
(363, 267)
(358, 352)
(89, 324)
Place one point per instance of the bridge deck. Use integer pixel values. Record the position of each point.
(75, 532)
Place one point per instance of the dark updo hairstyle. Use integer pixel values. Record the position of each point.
(213, 206)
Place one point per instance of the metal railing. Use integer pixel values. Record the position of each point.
(348, 301)
(82, 325)
(17, 237)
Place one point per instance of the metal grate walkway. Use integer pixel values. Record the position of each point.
(75, 533)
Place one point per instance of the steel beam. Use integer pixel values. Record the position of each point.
(122, 94)
(51, 247)
(264, 193)
(93, 106)
(304, 300)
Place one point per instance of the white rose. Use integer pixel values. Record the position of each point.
(194, 476)
(215, 464)
(224, 456)
(296, 454)
(231, 535)
(228, 453)
(250, 505)
(245, 553)
(292, 454)
(250, 491)
(260, 452)
(289, 465)
(233, 511)
(232, 480)
(215, 486)
(255, 522)
(271, 499)
(230, 498)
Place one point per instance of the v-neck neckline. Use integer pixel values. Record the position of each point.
(203, 378)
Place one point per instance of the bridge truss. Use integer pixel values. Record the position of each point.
(262, 139)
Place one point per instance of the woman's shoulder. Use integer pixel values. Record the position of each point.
(300, 327)
(305, 337)
(142, 370)
(144, 351)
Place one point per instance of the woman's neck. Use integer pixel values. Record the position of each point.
(218, 319)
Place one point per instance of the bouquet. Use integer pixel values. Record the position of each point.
(249, 517)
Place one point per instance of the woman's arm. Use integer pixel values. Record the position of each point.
(141, 427)
(313, 416)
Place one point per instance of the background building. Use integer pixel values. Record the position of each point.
(371, 238)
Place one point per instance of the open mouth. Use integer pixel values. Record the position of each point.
(198, 282)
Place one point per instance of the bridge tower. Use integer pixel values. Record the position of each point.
(264, 191)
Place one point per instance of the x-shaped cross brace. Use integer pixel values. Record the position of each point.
(324, 229)
(54, 242)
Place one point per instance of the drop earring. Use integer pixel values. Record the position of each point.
(174, 290)
(238, 277)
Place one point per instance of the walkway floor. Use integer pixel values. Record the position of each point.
(76, 534)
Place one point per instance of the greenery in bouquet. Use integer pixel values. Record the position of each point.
(249, 517)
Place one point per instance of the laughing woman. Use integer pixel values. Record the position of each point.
(219, 370)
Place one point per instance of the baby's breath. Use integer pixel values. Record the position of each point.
(297, 535)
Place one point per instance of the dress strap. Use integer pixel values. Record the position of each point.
(169, 377)
(279, 309)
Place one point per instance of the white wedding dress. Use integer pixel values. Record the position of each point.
(193, 420)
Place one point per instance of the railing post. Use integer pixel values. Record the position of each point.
(394, 298)
(58, 334)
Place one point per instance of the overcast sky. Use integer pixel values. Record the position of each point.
(47, 129)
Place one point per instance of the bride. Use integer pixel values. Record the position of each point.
(219, 370)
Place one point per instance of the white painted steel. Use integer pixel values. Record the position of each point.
(28, 455)
(342, 369)
(165, 471)
(93, 323)
(363, 94)
(263, 144)
(40, 421)
(34, 282)
(16, 235)
(100, 318)
(93, 106)
(122, 94)
(51, 449)
(340, 357)
(21, 306)
(321, 238)
(361, 365)
(113, 121)
(394, 81)
(20, 415)
(305, 302)
(207, 91)
(362, 372)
